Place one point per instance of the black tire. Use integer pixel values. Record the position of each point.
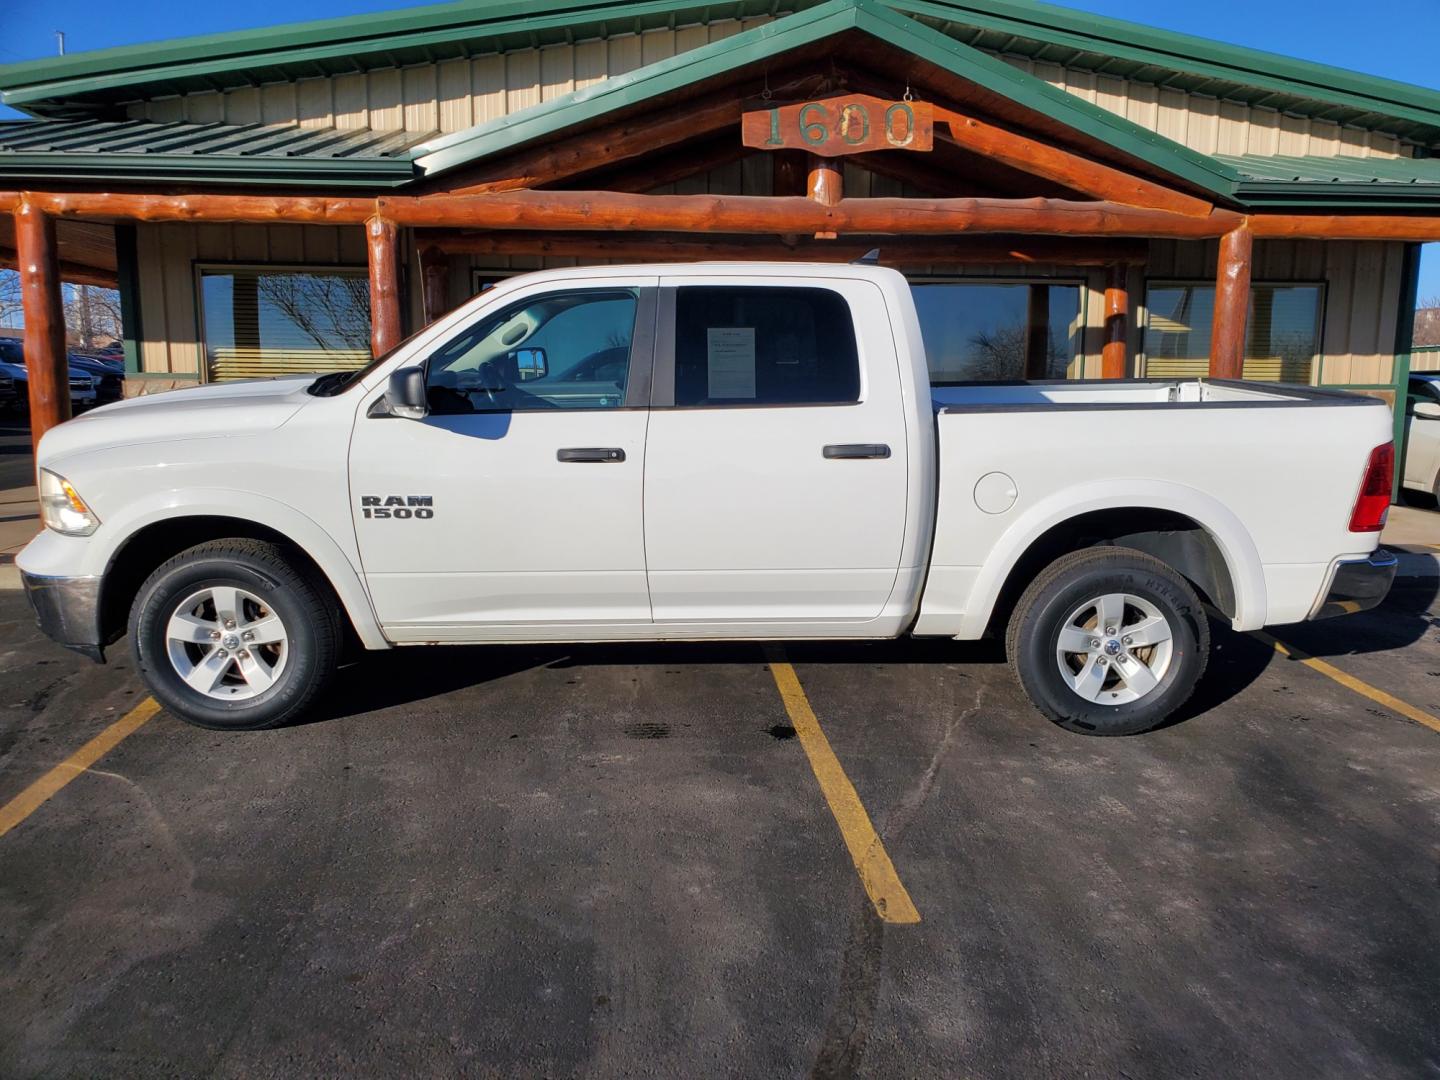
(309, 614)
(1033, 636)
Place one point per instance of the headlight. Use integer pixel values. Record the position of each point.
(62, 509)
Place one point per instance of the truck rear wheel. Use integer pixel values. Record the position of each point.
(233, 634)
(1108, 641)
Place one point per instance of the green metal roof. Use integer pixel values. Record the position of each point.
(284, 154)
(1336, 182)
(82, 81)
(834, 17)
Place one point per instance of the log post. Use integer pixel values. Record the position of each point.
(44, 310)
(1037, 332)
(1232, 304)
(825, 185)
(435, 273)
(382, 242)
(1114, 357)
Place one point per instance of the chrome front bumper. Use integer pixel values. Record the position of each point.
(1357, 585)
(68, 611)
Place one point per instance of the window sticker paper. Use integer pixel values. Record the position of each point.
(730, 356)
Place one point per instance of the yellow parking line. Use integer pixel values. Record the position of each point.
(877, 872)
(1330, 671)
(36, 795)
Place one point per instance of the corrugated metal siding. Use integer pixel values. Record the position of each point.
(449, 96)
(1362, 294)
(1209, 125)
(458, 94)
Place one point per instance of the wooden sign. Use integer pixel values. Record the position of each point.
(849, 124)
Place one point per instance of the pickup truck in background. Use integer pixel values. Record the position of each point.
(701, 452)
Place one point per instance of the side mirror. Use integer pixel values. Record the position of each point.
(1427, 410)
(406, 394)
(531, 364)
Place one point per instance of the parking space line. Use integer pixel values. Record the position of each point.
(1330, 671)
(877, 872)
(38, 793)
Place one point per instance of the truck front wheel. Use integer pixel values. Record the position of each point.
(1108, 641)
(234, 634)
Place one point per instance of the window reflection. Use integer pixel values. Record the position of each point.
(260, 323)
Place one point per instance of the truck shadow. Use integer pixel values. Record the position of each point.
(383, 680)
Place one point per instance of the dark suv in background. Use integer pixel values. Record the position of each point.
(93, 380)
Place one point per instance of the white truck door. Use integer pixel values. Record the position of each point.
(775, 474)
(517, 501)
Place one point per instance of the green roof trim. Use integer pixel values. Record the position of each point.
(772, 39)
(436, 32)
(1336, 182)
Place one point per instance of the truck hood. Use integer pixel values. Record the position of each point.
(201, 412)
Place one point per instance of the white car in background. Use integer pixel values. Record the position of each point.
(1422, 434)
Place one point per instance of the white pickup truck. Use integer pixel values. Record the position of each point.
(701, 452)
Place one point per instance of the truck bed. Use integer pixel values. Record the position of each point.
(1274, 487)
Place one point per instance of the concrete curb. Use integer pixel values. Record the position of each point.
(9, 576)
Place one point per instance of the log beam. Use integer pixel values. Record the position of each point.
(1232, 305)
(1063, 167)
(1114, 355)
(600, 210)
(782, 216)
(606, 210)
(1416, 229)
(382, 243)
(894, 251)
(44, 311)
(606, 147)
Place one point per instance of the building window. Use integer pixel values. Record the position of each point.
(261, 322)
(1282, 344)
(985, 331)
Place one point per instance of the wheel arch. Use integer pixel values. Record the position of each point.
(1191, 532)
(156, 535)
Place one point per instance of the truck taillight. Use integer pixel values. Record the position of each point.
(1373, 502)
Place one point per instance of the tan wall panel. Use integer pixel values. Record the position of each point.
(1210, 126)
(168, 254)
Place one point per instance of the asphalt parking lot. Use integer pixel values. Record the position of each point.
(619, 861)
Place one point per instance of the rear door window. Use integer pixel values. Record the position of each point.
(759, 345)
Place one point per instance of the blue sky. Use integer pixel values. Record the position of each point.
(1394, 38)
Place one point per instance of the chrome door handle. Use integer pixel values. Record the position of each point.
(857, 450)
(600, 454)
